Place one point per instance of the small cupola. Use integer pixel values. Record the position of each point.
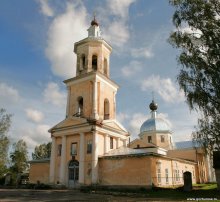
(94, 30)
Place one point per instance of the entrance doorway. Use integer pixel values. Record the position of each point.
(73, 173)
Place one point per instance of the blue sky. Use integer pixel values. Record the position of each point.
(36, 55)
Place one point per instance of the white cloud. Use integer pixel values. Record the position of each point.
(42, 131)
(132, 68)
(119, 7)
(33, 135)
(115, 17)
(45, 8)
(142, 52)
(117, 33)
(164, 87)
(135, 123)
(121, 117)
(64, 31)
(53, 94)
(9, 93)
(34, 115)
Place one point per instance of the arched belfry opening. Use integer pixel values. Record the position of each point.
(106, 109)
(94, 62)
(80, 105)
(105, 67)
(82, 62)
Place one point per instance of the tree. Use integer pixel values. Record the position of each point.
(19, 157)
(5, 123)
(197, 37)
(42, 151)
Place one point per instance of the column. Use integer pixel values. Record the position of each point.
(81, 158)
(52, 160)
(95, 158)
(114, 104)
(63, 161)
(117, 142)
(95, 115)
(125, 143)
(106, 143)
(68, 102)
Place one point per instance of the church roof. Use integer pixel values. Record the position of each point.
(186, 144)
(154, 124)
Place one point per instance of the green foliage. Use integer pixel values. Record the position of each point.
(5, 123)
(42, 151)
(19, 157)
(197, 37)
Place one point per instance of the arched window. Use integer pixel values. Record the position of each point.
(82, 62)
(94, 62)
(80, 105)
(106, 109)
(73, 172)
(105, 67)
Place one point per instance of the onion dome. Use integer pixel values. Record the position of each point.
(94, 22)
(153, 106)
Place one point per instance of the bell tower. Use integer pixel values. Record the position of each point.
(90, 128)
(93, 52)
(91, 94)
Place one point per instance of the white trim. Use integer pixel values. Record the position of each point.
(91, 77)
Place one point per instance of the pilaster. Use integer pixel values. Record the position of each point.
(81, 158)
(68, 102)
(95, 158)
(106, 144)
(52, 160)
(95, 100)
(63, 161)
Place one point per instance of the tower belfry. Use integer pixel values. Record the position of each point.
(90, 128)
(93, 52)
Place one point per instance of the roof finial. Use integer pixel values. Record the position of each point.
(94, 14)
(152, 95)
(94, 22)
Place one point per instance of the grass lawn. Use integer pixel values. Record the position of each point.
(200, 192)
(204, 193)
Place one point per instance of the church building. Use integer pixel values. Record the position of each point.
(91, 147)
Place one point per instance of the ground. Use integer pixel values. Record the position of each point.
(20, 195)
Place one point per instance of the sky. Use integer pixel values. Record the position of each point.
(36, 55)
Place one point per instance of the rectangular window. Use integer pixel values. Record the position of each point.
(162, 138)
(158, 172)
(73, 150)
(149, 139)
(167, 175)
(159, 175)
(59, 149)
(89, 146)
(111, 142)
